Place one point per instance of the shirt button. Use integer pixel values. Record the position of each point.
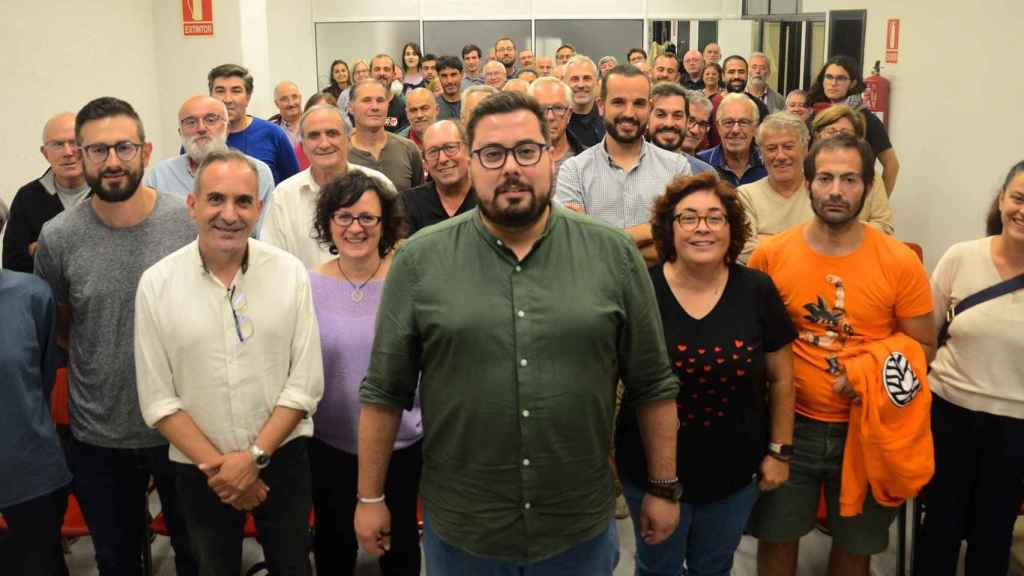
(519, 268)
(526, 413)
(499, 243)
(526, 461)
(526, 506)
(523, 362)
(520, 313)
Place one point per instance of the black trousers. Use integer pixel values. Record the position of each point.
(282, 521)
(32, 546)
(111, 486)
(975, 494)
(335, 476)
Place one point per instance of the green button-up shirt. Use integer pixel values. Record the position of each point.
(517, 363)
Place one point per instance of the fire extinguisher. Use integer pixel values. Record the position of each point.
(876, 93)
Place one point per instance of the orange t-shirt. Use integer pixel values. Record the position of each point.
(838, 303)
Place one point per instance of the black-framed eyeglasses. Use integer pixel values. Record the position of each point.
(345, 219)
(244, 326)
(689, 221)
(98, 153)
(557, 109)
(192, 122)
(702, 125)
(494, 156)
(450, 150)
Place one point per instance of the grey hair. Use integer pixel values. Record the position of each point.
(611, 59)
(474, 89)
(552, 81)
(783, 122)
(581, 59)
(767, 60)
(225, 155)
(697, 98)
(341, 116)
(736, 97)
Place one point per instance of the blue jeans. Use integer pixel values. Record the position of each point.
(705, 540)
(595, 557)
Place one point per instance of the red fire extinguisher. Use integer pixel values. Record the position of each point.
(876, 93)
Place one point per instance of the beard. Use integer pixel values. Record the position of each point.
(519, 214)
(117, 192)
(757, 84)
(672, 144)
(198, 151)
(832, 219)
(612, 129)
(736, 85)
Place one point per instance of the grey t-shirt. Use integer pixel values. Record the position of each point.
(94, 270)
(400, 161)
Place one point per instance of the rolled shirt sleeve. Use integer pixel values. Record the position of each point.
(153, 375)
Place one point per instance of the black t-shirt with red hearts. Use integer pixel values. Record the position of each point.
(722, 403)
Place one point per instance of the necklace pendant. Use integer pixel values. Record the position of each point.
(357, 295)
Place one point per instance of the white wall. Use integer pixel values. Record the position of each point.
(59, 55)
(956, 122)
(292, 45)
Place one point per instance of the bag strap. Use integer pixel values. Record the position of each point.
(979, 297)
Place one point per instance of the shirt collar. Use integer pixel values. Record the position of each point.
(603, 152)
(245, 259)
(498, 246)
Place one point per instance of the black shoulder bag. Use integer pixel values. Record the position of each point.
(994, 291)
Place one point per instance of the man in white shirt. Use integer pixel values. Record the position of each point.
(289, 218)
(228, 367)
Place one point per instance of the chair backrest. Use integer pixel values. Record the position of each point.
(917, 249)
(59, 399)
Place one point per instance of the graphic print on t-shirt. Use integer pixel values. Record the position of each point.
(834, 322)
(707, 379)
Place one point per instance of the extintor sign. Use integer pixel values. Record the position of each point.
(197, 17)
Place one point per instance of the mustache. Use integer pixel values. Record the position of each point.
(671, 129)
(512, 181)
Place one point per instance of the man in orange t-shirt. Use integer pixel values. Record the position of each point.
(844, 284)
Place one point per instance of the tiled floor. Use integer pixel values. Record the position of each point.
(813, 556)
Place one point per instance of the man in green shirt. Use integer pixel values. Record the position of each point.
(516, 320)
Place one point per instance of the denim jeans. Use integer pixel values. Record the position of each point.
(282, 520)
(595, 557)
(705, 540)
(111, 486)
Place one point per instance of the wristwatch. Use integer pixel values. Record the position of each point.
(781, 451)
(668, 491)
(259, 457)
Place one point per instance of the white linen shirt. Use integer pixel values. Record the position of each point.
(188, 355)
(288, 223)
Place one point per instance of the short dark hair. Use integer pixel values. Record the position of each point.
(663, 231)
(842, 142)
(636, 51)
(428, 57)
(228, 71)
(663, 89)
(505, 38)
(816, 93)
(566, 45)
(345, 191)
(471, 48)
(106, 107)
(626, 70)
(735, 57)
(448, 61)
(504, 103)
(320, 98)
(994, 219)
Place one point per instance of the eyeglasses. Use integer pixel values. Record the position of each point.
(831, 132)
(494, 156)
(729, 123)
(689, 221)
(344, 219)
(192, 122)
(702, 125)
(831, 78)
(244, 326)
(98, 153)
(558, 110)
(450, 150)
(60, 145)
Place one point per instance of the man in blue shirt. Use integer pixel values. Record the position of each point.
(232, 85)
(737, 159)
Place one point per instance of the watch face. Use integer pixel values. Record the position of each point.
(262, 460)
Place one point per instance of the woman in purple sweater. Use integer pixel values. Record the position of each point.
(360, 221)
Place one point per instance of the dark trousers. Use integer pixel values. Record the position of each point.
(282, 520)
(112, 488)
(32, 544)
(975, 493)
(335, 475)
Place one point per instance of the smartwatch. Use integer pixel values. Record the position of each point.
(783, 452)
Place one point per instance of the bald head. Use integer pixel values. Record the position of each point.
(545, 65)
(288, 100)
(202, 123)
(693, 63)
(61, 150)
(421, 109)
(516, 85)
(57, 124)
(446, 155)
